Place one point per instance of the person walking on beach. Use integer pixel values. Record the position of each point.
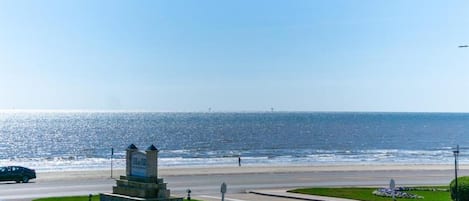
(239, 161)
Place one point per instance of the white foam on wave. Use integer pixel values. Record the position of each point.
(292, 157)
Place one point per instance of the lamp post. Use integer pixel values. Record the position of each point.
(456, 155)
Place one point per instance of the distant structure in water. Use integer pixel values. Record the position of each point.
(271, 109)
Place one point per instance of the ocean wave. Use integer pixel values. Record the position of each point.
(184, 158)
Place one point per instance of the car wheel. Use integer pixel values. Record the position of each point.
(25, 179)
(17, 181)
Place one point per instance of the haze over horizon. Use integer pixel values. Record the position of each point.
(185, 56)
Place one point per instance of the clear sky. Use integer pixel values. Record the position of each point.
(240, 55)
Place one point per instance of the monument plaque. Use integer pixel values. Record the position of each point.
(141, 181)
(139, 164)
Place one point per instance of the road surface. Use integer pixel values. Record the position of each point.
(207, 186)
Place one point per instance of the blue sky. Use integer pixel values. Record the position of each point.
(330, 55)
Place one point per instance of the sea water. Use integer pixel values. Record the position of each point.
(49, 141)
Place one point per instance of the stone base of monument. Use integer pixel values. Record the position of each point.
(139, 188)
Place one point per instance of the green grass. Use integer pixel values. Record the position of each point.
(365, 194)
(77, 198)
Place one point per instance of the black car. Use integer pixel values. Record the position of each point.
(17, 173)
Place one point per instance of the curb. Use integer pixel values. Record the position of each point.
(283, 196)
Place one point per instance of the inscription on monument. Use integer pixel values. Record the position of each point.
(139, 164)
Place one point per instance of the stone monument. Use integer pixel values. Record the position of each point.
(141, 181)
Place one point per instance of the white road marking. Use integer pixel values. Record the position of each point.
(214, 197)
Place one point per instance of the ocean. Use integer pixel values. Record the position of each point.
(51, 141)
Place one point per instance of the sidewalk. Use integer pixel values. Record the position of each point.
(282, 193)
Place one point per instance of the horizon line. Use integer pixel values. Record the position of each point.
(211, 111)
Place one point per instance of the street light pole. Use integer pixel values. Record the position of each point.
(456, 154)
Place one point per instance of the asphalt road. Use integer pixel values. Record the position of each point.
(208, 186)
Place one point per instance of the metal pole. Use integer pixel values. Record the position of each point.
(223, 191)
(112, 155)
(456, 178)
(456, 153)
(392, 186)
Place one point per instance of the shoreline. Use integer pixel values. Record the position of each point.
(235, 170)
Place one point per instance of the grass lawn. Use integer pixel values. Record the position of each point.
(77, 198)
(365, 194)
